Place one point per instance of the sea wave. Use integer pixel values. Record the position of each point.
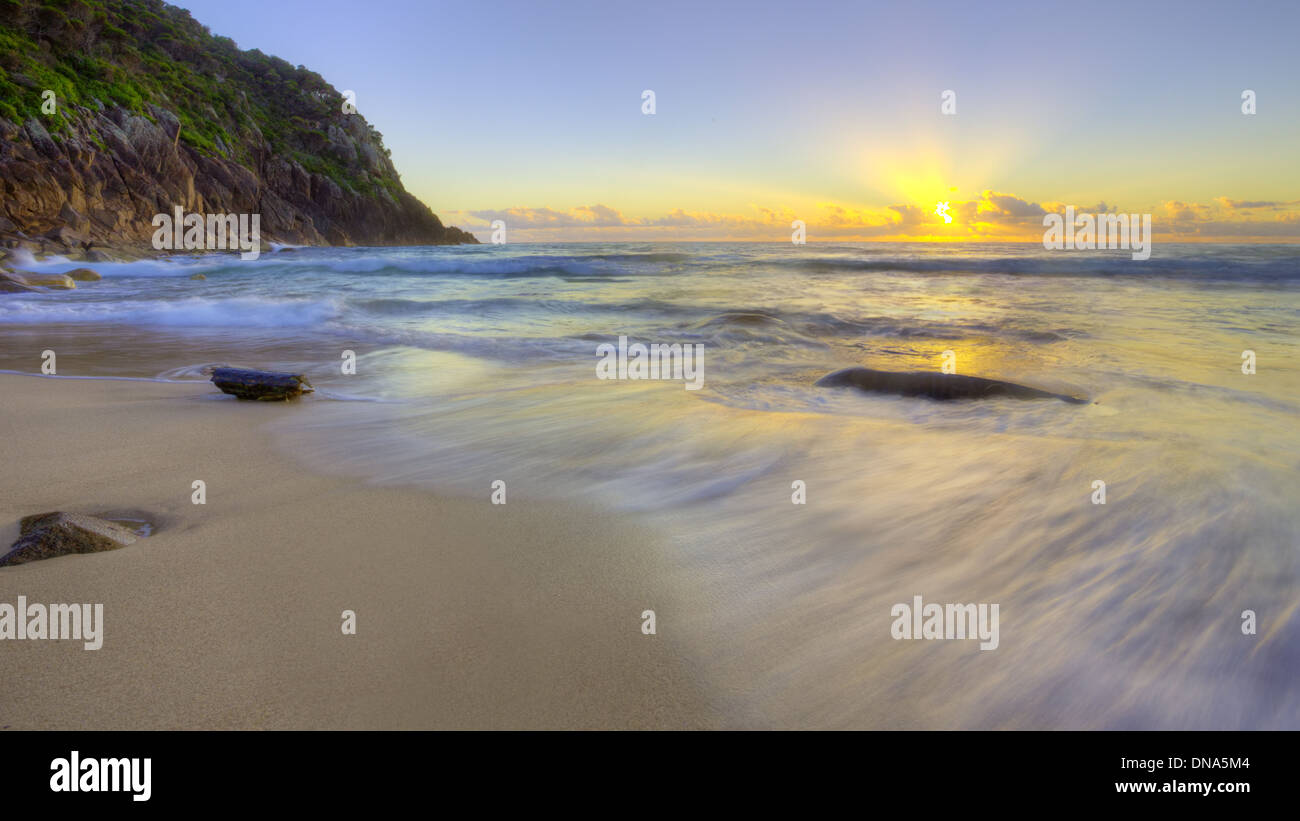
(597, 263)
(237, 312)
(1100, 264)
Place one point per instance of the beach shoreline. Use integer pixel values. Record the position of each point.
(469, 614)
(772, 525)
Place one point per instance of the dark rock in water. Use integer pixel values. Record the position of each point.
(58, 282)
(739, 318)
(83, 275)
(264, 385)
(15, 284)
(934, 385)
(47, 535)
(197, 276)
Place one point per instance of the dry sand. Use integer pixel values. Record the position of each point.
(469, 614)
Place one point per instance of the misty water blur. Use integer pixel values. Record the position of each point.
(479, 363)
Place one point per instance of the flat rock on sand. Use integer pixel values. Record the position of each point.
(47, 535)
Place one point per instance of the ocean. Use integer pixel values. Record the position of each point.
(478, 364)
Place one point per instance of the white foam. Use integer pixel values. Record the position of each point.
(240, 312)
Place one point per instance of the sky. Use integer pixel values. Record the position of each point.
(830, 113)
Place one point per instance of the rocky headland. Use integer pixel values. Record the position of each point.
(114, 111)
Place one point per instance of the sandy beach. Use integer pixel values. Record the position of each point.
(469, 614)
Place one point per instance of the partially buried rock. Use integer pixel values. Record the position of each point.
(263, 385)
(198, 276)
(83, 275)
(47, 535)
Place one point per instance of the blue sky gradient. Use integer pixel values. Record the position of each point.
(799, 107)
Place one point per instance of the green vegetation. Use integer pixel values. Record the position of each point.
(137, 53)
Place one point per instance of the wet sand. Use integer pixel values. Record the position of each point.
(469, 614)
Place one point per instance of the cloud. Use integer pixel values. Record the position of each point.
(992, 215)
(909, 216)
(1181, 212)
(1008, 207)
(1237, 204)
(584, 216)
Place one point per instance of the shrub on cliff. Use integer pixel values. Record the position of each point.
(148, 57)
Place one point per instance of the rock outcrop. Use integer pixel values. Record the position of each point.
(160, 113)
(48, 535)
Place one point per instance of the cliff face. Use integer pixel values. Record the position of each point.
(112, 112)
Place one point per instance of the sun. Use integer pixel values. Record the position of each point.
(916, 176)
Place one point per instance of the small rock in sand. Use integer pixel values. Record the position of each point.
(47, 535)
